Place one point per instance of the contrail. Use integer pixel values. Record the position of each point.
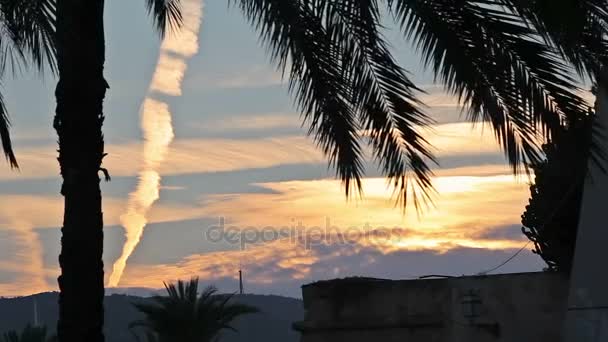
(157, 128)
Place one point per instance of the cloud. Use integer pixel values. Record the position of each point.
(169, 74)
(279, 267)
(476, 171)
(253, 122)
(258, 76)
(44, 211)
(454, 139)
(187, 156)
(225, 264)
(184, 42)
(435, 96)
(476, 213)
(27, 263)
(487, 200)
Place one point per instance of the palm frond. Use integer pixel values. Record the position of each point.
(297, 39)
(497, 67)
(577, 29)
(28, 27)
(166, 14)
(384, 98)
(5, 137)
(184, 315)
(230, 311)
(27, 35)
(349, 87)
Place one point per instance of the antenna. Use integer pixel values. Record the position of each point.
(36, 323)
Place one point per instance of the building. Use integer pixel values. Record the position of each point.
(499, 308)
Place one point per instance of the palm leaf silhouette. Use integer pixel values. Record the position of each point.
(186, 316)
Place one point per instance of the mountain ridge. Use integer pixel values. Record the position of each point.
(273, 324)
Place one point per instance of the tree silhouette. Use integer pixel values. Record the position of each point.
(78, 121)
(186, 316)
(28, 334)
(551, 218)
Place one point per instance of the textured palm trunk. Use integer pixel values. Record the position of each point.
(78, 122)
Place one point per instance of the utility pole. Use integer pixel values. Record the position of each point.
(586, 317)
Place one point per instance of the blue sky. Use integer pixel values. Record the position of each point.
(237, 151)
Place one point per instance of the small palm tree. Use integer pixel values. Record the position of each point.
(28, 334)
(185, 316)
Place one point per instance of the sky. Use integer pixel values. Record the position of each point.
(212, 172)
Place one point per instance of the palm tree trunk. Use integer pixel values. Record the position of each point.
(78, 122)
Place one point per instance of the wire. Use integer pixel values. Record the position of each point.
(506, 261)
(555, 211)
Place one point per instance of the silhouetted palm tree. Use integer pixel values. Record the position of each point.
(28, 334)
(78, 121)
(186, 316)
(26, 37)
(510, 68)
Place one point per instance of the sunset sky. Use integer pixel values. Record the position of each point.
(200, 127)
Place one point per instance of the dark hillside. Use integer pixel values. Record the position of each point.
(273, 324)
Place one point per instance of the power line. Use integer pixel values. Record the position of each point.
(506, 261)
(555, 211)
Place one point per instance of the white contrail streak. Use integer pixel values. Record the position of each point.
(157, 128)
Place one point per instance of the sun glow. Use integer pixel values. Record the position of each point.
(465, 208)
(470, 212)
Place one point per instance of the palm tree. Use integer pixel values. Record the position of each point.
(185, 316)
(28, 334)
(78, 121)
(505, 59)
(26, 38)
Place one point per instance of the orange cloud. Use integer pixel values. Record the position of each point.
(493, 200)
(29, 263)
(465, 215)
(272, 257)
